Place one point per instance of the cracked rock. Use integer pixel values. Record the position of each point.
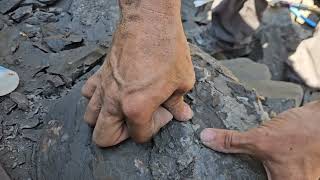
(60, 42)
(176, 151)
(8, 5)
(21, 100)
(49, 2)
(21, 13)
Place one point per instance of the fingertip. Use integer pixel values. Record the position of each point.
(226, 141)
(183, 113)
(207, 135)
(187, 113)
(162, 117)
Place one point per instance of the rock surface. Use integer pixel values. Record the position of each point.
(277, 90)
(175, 153)
(3, 174)
(246, 69)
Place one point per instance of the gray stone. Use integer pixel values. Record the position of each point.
(73, 63)
(56, 81)
(275, 54)
(175, 153)
(49, 2)
(41, 17)
(311, 95)
(278, 37)
(60, 42)
(8, 5)
(3, 174)
(7, 106)
(1, 25)
(21, 13)
(245, 69)
(277, 90)
(34, 3)
(21, 100)
(276, 106)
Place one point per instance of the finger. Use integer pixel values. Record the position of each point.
(179, 109)
(161, 117)
(143, 125)
(90, 86)
(110, 130)
(314, 105)
(93, 108)
(228, 141)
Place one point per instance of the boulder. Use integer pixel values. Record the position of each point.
(218, 100)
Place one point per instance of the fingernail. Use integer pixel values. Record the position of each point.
(207, 135)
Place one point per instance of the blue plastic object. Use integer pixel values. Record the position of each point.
(297, 13)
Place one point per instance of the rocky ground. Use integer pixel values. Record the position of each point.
(54, 45)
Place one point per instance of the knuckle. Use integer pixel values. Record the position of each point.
(94, 107)
(132, 111)
(189, 83)
(260, 139)
(228, 141)
(136, 111)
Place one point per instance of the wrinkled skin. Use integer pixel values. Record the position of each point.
(140, 86)
(288, 145)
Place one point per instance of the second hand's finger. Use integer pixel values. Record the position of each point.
(229, 141)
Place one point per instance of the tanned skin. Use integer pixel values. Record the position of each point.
(140, 88)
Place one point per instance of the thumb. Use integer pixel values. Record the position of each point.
(228, 141)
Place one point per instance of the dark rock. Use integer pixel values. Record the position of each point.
(8, 38)
(245, 69)
(14, 48)
(29, 123)
(311, 95)
(30, 30)
(278, 105)
(31, 134)
(73, 63)
(41, 47)
(55, 10)
(21, 100)
(176, 152)
(8, 5)
(61, 42)
(1, 25)
(3, 174)
(49, 2)
(41, 17)
(277, 37)
(7, 106)
(34, 3)
(56, 81)
(275, 53)
(21, 13)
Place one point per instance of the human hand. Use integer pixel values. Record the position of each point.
(140, 86)
(288, 145)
